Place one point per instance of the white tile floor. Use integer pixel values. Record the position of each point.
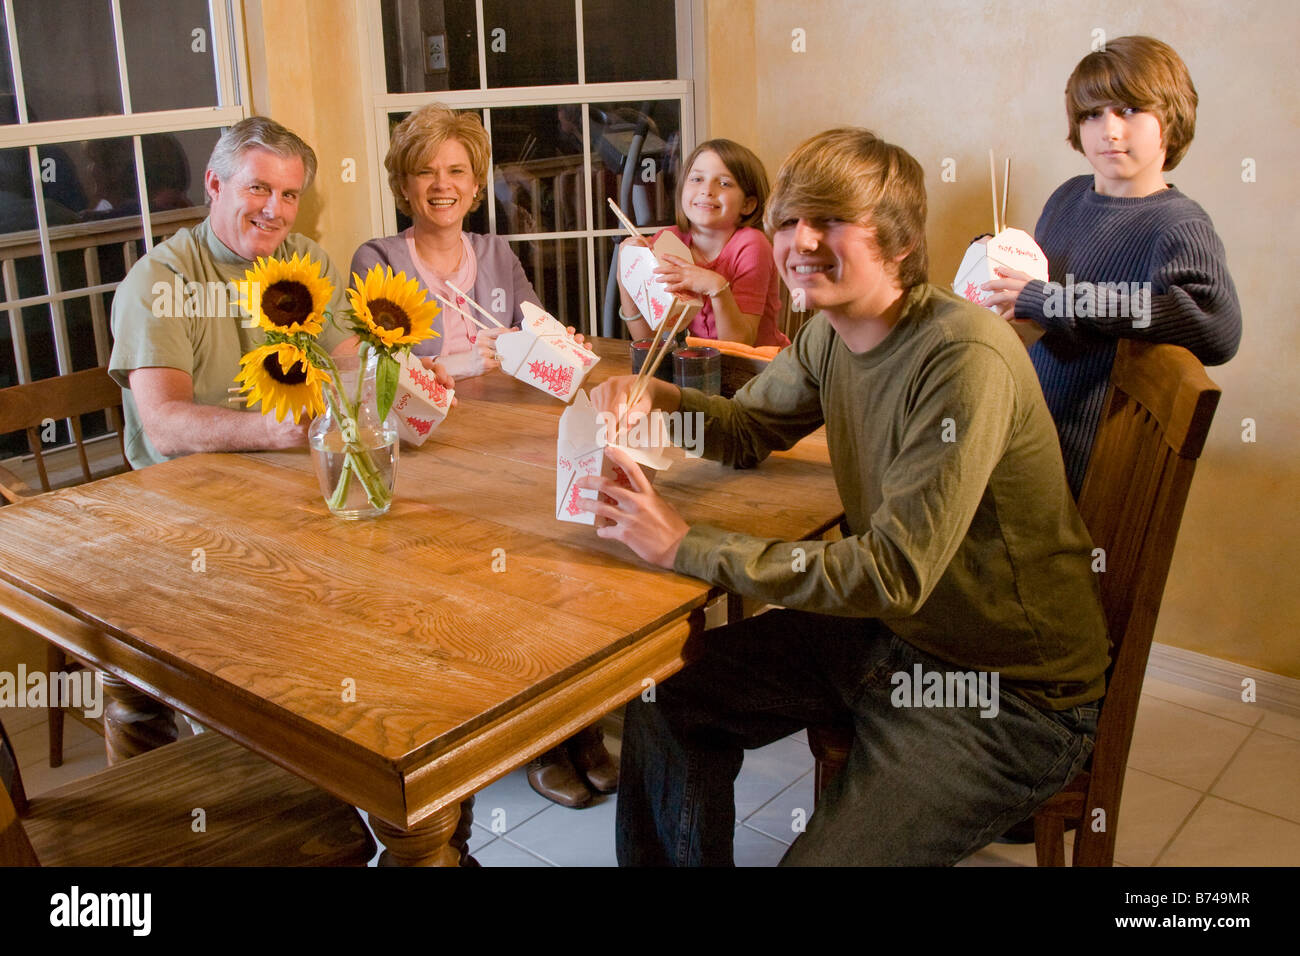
(1210, 783)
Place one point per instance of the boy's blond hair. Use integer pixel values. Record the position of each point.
(422, 133)
(851, 174)
(1136, 71)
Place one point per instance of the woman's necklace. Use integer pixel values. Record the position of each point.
(435, 266)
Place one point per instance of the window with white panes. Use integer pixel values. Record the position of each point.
(109, 110)
(584, 101)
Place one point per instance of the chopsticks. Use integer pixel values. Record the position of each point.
(662, 346)
(455, 308)
(490, 317)
(631, 229)
(999, 223)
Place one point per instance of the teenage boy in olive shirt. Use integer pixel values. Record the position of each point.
(966, 557)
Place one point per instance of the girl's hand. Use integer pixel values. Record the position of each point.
(1006, 291)
(678, 276)
(638, 517)
(441, 374)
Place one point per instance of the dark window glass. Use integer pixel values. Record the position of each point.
(530, 44)
(8, 102)
(538, 168)
(27, 280)
(17, 236)
(68, 58)
(174, 165)
(95, 179)
(171, 40)
(636, 152)
(430, 46)
(17, 206)
(626, 42)
(557, 268)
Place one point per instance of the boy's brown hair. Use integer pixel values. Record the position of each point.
(1136, 71)
(744, 166)
(851, 174)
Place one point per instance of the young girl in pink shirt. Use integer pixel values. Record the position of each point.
(719, 202)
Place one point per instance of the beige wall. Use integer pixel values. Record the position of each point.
(305, 61)
(949, 79)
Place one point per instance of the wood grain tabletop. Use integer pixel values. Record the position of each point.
(400, 662)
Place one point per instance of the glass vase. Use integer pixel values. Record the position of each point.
(355, 453)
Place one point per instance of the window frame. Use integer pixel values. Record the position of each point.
(226, 22)
(688, 90)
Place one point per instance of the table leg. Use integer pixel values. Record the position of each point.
(438, 840)
(133, 721)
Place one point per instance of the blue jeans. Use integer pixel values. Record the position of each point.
(924, 785)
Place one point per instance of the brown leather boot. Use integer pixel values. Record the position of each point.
(587, 748)
(553, 776)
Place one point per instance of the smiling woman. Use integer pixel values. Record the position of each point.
(437, 170)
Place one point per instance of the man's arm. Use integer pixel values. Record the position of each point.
(175, 425)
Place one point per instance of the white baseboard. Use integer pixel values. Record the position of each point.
(1223, 678)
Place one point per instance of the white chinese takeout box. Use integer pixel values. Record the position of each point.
(580, 450)
(542, 353)
(1010, 249)
(636, 270)
(421, 403)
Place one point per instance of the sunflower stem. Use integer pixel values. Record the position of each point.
(357, 458)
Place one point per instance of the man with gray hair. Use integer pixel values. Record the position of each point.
(178, 333)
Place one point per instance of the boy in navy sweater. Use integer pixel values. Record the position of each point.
(1129, 255)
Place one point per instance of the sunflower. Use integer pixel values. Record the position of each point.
(392, 309)
(283, 379)
(288, 296)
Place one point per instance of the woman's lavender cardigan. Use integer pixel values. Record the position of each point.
(500, 286)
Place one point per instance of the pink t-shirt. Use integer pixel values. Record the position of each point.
(746, 262)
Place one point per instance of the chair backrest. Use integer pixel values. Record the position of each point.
(1152, 430)
(26, 407)
(15, 848)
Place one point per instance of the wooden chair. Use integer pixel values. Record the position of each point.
(25, 408)
(1152, 430)
(146, 812)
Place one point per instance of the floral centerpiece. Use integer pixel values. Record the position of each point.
(354, 445)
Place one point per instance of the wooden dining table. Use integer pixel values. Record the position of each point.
(402, 662)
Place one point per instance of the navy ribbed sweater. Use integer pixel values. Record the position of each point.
(1164, 239)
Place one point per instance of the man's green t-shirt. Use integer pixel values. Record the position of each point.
(177, 308)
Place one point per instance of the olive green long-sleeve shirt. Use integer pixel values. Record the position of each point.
(965, 540)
